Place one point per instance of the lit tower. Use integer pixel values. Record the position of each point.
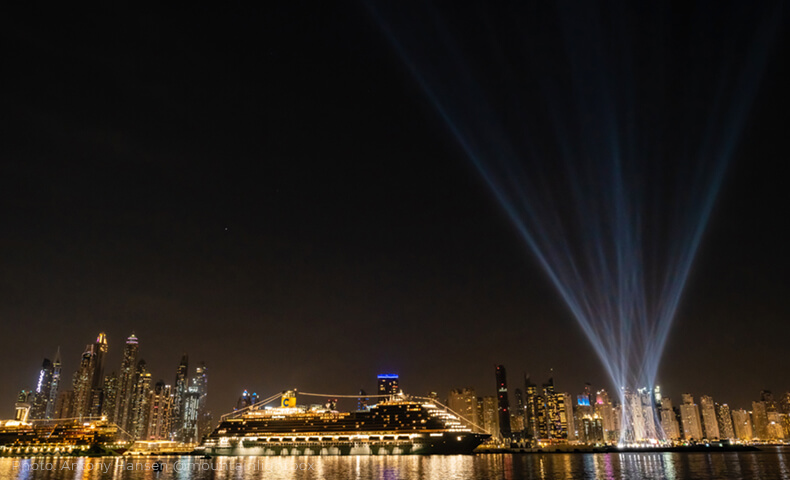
(530, 408)
(200, 382)
(710, 421)
(388, 384)
(159, 412)
(181, 387)
(89, 379)
(503, 403)
(43, 390)
(100, 349)
(126, 383)
(55, 385)
(141, 398)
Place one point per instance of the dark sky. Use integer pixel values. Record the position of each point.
(271, 192)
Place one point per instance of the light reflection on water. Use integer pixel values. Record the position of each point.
(765, 464)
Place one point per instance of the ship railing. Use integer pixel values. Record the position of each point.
(249, 408)
(70, 420)
(475, 427)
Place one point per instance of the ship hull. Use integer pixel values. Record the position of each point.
(445, 444)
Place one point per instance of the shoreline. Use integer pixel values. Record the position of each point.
(510, 451)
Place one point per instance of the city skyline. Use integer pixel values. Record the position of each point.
(124, 415)
(282, 200)
(542, 415)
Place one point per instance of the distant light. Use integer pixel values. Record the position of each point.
(388, 376)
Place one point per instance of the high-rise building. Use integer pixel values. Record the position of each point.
(490, 416)
(54, 386)
(41, 407)
(203, 415)
(724, 418)
(110, 395)
(760, 420)
(197, 419)
(669, 422)
(606, 411)
(657, 397)
(742, 422)
(648, 412)
(244, 401)
(141, 397)
(565, 407)
(89, 379)
(127, 381)
(516, 424)
(388, 384)
(689, 411)
(64, 404)
(638, 419)
(22, 406)
(770, 403)
(464, 402)
(547, 412)
(709, 418)
(530, 409)
(584, 415)
(363, 400)
(159, 412)
(189, 429)
(503, 402)
(517, 418)
(181, 388)
(784, 404)
(775, 426)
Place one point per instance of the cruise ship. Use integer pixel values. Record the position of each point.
(396, 426)
(53, 435)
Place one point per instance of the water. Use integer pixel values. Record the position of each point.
(766, 464)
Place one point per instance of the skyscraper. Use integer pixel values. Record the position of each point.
(606, 411)
(689, 411)
(181, 387)
(760, 420)
(490, 416)
(775, 426)
(464, 402)
(197, 419)
(89, 379)
(97, 377)
(127, 379)
(709, 418)
(669, 422)
(55, 386)
(518, 421)
(724, 418)
(530, 408)
(743, 425)
(159, 412)
(767, 397)
(64, 404)
(201, 386)
(565, 408)
(503, 402)
(41, 396)
(141, 396)
(22, 406)
(388, 384)
(110, 395)
(362, 401)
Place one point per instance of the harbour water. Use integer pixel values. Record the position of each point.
(768, 463)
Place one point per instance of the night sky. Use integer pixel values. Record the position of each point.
(271, 192)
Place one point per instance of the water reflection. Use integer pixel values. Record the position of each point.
(768, 463)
